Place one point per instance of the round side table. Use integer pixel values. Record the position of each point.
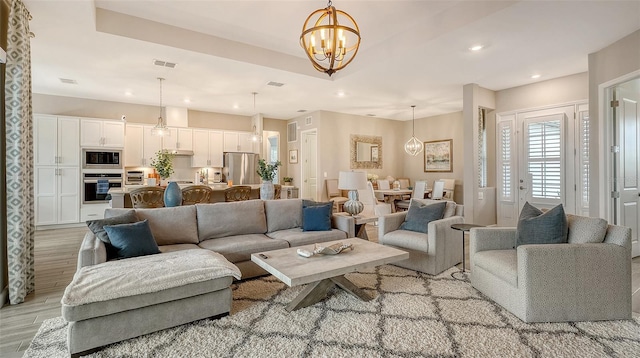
(463, 228)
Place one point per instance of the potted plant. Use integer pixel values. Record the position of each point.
(287, 180)
(163, 164)
(267, 172)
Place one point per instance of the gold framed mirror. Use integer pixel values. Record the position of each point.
(366, 152)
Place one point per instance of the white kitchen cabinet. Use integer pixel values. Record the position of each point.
(207, 148)
(101, 133)
(57, 195)
(140, 146)
(180, 139)
(57, 140)
(239, 142)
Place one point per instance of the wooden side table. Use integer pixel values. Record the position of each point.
(463, 228)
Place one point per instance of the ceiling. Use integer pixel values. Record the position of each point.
(412, 52)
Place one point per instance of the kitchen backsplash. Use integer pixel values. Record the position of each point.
(182, 169)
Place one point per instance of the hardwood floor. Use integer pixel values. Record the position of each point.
(56, 253)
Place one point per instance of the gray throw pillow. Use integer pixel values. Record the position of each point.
(419, 216)
(97, 228)
(536, 227)
(132, 240)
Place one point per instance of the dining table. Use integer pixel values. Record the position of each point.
(391, 195)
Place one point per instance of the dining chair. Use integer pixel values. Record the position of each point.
(196, 194)
(438, 189)
(383, 184)
(372, 207)
(237, 193)
(147, 197)
(335, 195)
(405, 183)
(418, 192)
(449, 188)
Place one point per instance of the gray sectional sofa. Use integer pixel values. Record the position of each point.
(234, 229)
(212, 241)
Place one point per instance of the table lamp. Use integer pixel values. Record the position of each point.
(352, 181)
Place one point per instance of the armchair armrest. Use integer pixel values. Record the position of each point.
(592, 277)
(92, 251)
(344, 223)
(491, 238)
(445, 243)
(390, 222)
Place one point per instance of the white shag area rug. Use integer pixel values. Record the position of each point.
(412, 315)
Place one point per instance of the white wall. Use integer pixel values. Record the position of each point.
(544, 93)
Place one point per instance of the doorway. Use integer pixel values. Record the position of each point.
(624, 118)
(271, 150)
(309, 161)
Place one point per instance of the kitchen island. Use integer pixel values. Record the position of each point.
(120, 196)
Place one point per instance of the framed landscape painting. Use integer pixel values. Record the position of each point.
(438, 156)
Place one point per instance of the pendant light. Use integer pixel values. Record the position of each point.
(160, 129)
(414, 146)
(255, 136)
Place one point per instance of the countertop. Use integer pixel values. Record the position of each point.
(216, 187)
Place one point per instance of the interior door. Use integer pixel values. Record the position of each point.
(627, 123)
(309, 159)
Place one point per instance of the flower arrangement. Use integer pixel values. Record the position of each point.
(372, 177)
(163, 163)
(287, 179)
(267, 171)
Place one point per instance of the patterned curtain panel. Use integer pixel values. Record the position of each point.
(19, 118)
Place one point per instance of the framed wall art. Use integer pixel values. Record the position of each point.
(438, 156)
(293, 156)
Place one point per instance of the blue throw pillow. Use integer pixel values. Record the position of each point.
(132, 240)
(536, 227)
(317, 217)
(420, 215)
(97, 227)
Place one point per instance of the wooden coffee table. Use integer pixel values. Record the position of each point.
(322, 272)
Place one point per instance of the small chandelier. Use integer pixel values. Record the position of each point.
(160, 129)
(333, 54)
(414, 145)
(255, 136)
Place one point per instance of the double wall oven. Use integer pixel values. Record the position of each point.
(102, 169)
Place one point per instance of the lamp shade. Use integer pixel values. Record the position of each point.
(352, 180)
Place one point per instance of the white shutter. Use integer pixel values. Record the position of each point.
(505, 159)
(544, 157)
(583, 170)
(292, 132)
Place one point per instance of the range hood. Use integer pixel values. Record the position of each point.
(182, 153)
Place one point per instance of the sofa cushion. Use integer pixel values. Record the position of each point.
(97, 227)
(407, 239)
(317, 217)
(283, 214)
(176, 225)
(536, 227)
(449, 209)
(240, 247)
(419, 216)
(297, 237)
(132, 240)
(586, 230)
(500, 263)
(230, 219)
(178, 247)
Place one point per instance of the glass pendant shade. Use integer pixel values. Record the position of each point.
(160, 129)
(414, 146)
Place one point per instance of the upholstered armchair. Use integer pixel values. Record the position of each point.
(586, 279)
(432, 253)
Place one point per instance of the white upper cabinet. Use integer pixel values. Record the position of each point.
(239, 142)
(180, 139)
(207, 148)
(57, 141)
(140, 146)
(101, 133)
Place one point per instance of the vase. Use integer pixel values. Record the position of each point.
(172, 195)
(267, 191)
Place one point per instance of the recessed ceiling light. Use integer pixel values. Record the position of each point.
(535, 76)
(128, 93)
(476, 47)
(236, 106)
(340, 93)
(186, 100)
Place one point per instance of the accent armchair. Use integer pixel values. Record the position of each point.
(586, 279)
(431, 253)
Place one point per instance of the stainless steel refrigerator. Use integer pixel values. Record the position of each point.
(241, 168)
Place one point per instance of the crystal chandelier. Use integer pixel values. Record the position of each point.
(332, 30)
(414, 145)
(160, 129)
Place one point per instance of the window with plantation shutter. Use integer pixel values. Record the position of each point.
(544, 157)
(584, 134)
(505, 153)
